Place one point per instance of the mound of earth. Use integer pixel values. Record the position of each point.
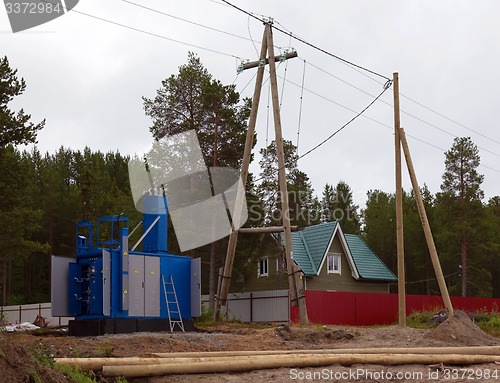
(17, 364)
(314, 336)
(461, 330)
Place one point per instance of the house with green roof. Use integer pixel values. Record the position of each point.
(330, 261)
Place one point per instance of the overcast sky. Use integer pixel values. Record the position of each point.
(87, 76)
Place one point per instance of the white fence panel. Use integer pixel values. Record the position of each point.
(259, 306)
(271, 306)
(28, 313)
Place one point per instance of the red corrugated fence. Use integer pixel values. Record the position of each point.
(367, 309)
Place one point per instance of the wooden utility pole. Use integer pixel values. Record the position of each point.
(296, 288)
(399, 208)
(247, 154)
(426, 226)
(294, 278)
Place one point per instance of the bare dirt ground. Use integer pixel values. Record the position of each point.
(458, 331)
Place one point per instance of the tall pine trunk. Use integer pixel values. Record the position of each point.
(463, 234)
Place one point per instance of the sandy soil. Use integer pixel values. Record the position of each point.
(458, 331)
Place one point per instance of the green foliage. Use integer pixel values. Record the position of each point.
(379, 230)
(75, 353)
(419, 319)
(105, 348)
(42, 353)
(44, 357)
(3, 320)
(304, 206)
(193, 99)
(14, 129)
(461, 178)
(461, 207)
(75, 374)
(33, 376)
(42, 198)
(206, 317)
(489, 323)
(337, 204)
(2, 344)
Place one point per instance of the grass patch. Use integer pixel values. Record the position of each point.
(489, 323)
(44, 358)
(75, 374)
(33, 376)
(105, 348)
(420, 319)
(47, 331)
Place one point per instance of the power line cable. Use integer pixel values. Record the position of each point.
(450, 119)
(310, 44)
(378, 122)
(251, 14)
(409, 114)
(250, 34)
(300, 105)
(386, 86)
(238, 57)
(186, 21)
(148, 33)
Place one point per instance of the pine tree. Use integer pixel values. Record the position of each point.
(337, 204)
(462, 183)
(14, 129)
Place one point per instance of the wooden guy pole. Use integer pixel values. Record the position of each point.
(399, 208)
(294, 279)
(247, 154)
(296, 286)
(426, 226)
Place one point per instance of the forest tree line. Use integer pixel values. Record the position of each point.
(45, 194)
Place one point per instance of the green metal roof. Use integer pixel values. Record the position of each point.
(310, 246)
(367, 263)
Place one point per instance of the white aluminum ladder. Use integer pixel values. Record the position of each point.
(176, 309)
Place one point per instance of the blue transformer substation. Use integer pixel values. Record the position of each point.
(111, 288)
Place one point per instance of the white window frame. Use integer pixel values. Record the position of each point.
(263, 267)
(339, 263)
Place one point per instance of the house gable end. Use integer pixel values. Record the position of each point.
(338, 232)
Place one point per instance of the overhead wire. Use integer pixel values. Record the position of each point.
(345, 61)
(292, 36)
(147, 32)
(386, 87)
(360, 69)
(450, 119)
(407, 113)
(250, 34)
(185, 20)
(359, 114)
(251, 14)
(300, 105)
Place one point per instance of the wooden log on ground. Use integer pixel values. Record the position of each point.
(472, 350)
(97, 364)
(299, 360)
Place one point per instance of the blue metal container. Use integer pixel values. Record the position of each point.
(109, 281)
